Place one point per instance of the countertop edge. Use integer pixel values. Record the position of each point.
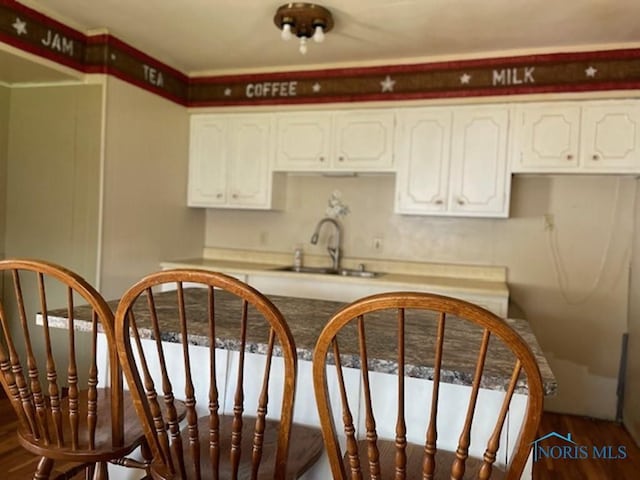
(398, 281)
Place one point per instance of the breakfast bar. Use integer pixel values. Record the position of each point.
(306, 318)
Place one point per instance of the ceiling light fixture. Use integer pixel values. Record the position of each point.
(304, 20)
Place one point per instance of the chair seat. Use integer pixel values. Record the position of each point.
(103, 450)
(306, 446)
(415, 453)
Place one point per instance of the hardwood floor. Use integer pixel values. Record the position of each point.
(17, 464)
(586, 433)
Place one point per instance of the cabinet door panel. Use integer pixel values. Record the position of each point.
(303, 141)
(423, 161)
(250, 149)
(478, 162)
(611, 136)
(207, 163)
(363, 140)
(547, 138)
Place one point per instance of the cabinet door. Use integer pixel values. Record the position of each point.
(547, 137)
(363, 140)
(303, 141)
(250, 148)
(611, 136)
(423, 140)
(479, 183)
(207, 162)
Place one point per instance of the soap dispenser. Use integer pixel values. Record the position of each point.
(297, 258)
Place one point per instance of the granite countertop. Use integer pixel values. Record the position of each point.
(307, 317)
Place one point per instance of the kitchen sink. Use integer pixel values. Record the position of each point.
(348, 272)
(345, 272)
(325, 270)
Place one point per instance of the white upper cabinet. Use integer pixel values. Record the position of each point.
(610, 137)
(424, 142)
(453, 161)
(363, 140)
(207, 171)
(229, 161)
(351, 140)
(572, 137)
(479, 181)
(303, 141)
(448, 160)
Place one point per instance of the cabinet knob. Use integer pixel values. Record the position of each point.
(341, 158)
(460, 201)
(322, 159)
(595, 157)
(234, 195)
(569, 157)
(438, 201)
(219, 195)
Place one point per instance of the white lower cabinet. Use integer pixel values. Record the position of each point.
(453, 161)
(313, 286)
(230, 161)
(577, 137)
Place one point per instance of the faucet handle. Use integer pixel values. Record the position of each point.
(361, 267)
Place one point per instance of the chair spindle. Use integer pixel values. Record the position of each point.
(430, 449)
(462, 452)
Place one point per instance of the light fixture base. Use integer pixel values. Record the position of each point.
(303, 18)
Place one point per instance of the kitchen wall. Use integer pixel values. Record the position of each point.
(97, 182)
(145, 217)
(4, 145)
(52, 193)
(631, 412)
(568, 274)
(53, 175)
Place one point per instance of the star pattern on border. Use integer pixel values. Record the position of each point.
(465, 78)
(591, 71)
(387, 84)
(227, 92)
(20, 26)
(316, 87)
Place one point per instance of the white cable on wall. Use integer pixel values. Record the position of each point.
(560, 271)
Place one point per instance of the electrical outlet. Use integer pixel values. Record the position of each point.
(549, 222)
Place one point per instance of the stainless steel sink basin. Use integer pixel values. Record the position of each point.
(345, 272)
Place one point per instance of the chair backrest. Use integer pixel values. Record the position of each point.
(160, 323)
(49, 369)
(434, 337)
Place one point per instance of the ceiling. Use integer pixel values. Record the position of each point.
(204, 37)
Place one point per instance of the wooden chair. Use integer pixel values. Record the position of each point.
(50, 375)
(417, 327)
(255, 438)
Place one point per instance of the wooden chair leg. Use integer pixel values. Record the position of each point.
(43, 470)
(89, 471)
(101, 472)
(146, 451)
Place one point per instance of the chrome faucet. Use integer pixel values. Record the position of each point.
(334, 251)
